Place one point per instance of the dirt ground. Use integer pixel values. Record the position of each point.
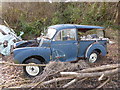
(11, 76)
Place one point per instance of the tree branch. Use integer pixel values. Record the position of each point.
(12, 64)
(100, 68)
(104, 83)
(94, 74)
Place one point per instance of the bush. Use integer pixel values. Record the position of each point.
(34, 18)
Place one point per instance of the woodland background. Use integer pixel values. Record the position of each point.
(34, 17)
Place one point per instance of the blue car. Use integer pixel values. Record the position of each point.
(63, 42)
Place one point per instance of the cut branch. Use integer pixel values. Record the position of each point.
(12, 64)
(104, 67)
(101, 77)
(56, 80)
(73, 81)
(70, 83)
(104, 83)
(94, 74)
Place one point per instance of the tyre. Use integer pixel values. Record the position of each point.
(94, 57)
(32, 71)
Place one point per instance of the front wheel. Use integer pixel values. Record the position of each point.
(32, 71)
(94, 57)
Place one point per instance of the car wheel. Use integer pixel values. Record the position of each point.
(32, 71)
(94, 57)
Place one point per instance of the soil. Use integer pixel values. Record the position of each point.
(11, 76)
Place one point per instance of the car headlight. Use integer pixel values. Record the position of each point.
(5, 43)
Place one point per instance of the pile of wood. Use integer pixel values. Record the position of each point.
(65, 75)
(102, 73)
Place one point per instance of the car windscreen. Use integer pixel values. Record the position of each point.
(50, 33)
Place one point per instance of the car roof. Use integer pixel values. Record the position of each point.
(79, 27)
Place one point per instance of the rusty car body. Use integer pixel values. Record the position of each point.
(63, 42)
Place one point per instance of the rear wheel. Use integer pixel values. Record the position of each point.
(94, 57)
(32, 71)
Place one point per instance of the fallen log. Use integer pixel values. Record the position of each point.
(56, 80)
(93, 74)
(100, 68)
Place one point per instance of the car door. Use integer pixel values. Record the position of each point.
(64, 45)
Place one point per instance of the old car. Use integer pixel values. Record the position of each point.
(7, 39)
(66, 43)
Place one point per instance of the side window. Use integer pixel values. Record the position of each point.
(58, 36)
(66, 35)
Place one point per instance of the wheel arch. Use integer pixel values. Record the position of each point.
(40, 58)
(98, 50)
(97, 47)
(22, 54)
